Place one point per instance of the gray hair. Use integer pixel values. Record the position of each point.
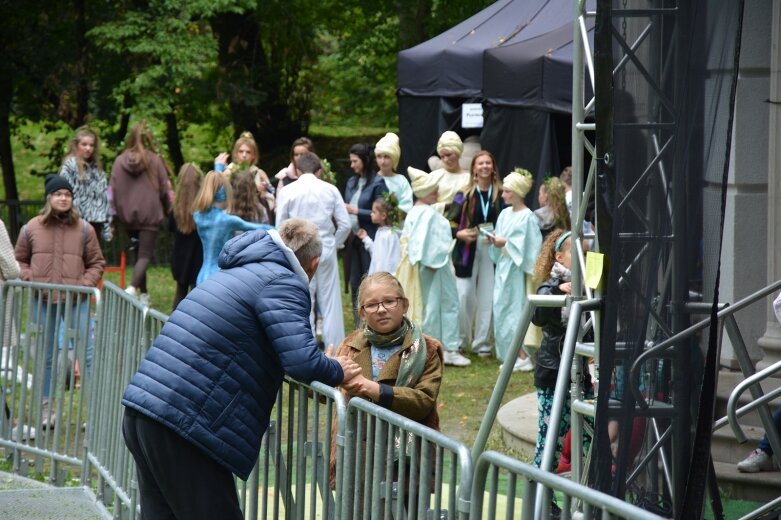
(302, 237)
(308, 162)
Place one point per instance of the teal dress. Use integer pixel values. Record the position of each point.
(215, 227)
(429, 244)
(514, 262)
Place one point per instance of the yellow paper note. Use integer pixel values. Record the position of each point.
(594, 266)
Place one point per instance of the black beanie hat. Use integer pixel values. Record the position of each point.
(56, 182)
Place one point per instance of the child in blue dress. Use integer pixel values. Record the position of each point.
(214, 223)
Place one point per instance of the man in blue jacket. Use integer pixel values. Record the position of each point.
(199, 404)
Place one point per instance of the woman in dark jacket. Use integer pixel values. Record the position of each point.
(140, 188)
(553, 266)
(360, 193)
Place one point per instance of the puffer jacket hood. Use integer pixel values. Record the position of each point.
(254, 246)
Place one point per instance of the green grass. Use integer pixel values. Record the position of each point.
(348, 131)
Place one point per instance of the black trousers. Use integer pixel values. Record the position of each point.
(176, 479)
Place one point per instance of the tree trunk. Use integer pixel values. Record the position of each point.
(6, 152)
(124, 123)
(248, 83)
(82, 89)
(173, 142)
(412, 21)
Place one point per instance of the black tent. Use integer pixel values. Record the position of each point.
(515, 57)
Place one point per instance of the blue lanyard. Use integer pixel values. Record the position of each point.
(485, 204)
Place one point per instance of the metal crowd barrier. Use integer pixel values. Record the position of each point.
(398, 468)
(291, 477)
(126, 333)
(494, 471)
(48, 333)
(386, 465)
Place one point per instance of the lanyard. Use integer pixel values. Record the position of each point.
(485, 204)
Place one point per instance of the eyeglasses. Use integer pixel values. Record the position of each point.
(386, 304)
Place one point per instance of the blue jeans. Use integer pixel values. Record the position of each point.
(764, 444)
(50, 324)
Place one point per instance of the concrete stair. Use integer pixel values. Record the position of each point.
(518, 420)
(726, 451)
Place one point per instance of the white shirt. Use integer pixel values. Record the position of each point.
(320, 203)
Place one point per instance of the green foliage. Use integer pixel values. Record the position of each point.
(356, 74)
(167, 49)
(223, 66)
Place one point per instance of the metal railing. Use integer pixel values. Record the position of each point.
(726, 321)
(398, 468)
(520, 480)
(292, 476)
(384, 465)
(46, 367)
(124, 337)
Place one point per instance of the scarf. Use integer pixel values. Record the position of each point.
(413, 359)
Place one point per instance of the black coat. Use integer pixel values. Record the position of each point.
(371, 191)
(553, 331)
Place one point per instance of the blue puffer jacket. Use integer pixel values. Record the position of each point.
(213, 373)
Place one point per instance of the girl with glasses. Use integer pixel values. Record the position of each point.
(401, 368)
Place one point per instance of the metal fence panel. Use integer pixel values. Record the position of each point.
(498, 475)
(124, 339)
(395, 467)
(45, 375)
(292, 476)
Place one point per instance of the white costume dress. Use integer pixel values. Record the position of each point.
(321, 203)
(428, 244)
(514, 262)
(384, 250)
(399, 186)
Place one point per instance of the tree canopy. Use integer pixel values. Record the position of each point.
(270, 67)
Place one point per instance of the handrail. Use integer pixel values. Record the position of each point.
(743, 410)
(634, 371)
(738, 391)
(506, 371)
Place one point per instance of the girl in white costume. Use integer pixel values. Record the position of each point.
(387, 153)
(515, 246)
(385, 247)
(453, 178)
(426, 269)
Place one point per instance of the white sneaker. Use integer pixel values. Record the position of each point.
(145, 299)
(132, 291)
(48, 415)
(521, 365)
(484, 351)
(23, 432)
(758, 460)
(456, 359)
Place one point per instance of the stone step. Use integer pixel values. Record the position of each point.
(725, 448)
(62, 503)
(758, 487)
(518, 420)
(728, 380)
